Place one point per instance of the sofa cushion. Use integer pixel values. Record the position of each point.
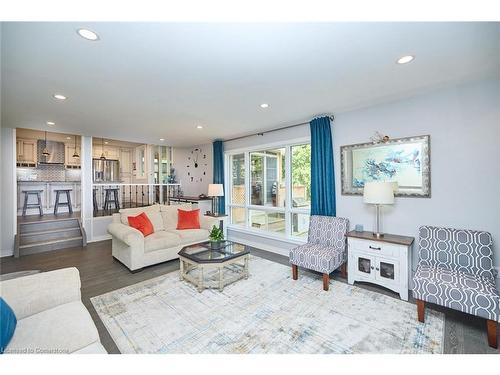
(142, 223)
(153, 213)
(63, 329)
(169, 214)
(161, 240)
(95, 348)
(8, 323)
(471, 294)
(191, 235)
(188, 219)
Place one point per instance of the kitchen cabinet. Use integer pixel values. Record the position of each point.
(110, 152)
(26, 150)
(125, 159)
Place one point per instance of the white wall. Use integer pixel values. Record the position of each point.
(8, 197)
(180, 157)
(464, 125)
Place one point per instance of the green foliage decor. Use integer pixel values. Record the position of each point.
(216, 234)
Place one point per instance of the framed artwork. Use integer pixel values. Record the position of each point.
(404, 160)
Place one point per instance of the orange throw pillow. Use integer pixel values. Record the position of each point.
(188, 219)
(142, 223)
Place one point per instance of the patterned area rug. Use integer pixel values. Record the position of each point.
(268, 313)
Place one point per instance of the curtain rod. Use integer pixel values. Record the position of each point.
(275, 130)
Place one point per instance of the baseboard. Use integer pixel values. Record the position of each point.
(99, 238)
(261, 246)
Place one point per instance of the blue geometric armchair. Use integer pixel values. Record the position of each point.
(325, 250)
(455, 270)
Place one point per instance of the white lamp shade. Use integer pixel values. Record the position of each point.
(215, 190)
(376, 192)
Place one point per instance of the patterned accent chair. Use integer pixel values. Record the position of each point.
(325, 250)
(456, 270)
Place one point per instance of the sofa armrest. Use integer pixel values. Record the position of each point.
(131, 236)
(207, 222)
(32, 294)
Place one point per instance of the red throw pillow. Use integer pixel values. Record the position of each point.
(188, 219)
(141, 222)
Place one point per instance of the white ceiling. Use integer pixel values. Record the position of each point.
(145, 81)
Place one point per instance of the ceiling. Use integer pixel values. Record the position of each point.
(145, 81)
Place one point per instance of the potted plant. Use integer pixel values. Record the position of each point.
(216, 236)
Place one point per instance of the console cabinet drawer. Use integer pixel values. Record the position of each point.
(375, 247)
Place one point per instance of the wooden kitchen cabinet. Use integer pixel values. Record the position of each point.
(26, 151)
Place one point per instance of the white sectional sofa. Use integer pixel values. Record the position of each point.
(51, 318)
(135, 251)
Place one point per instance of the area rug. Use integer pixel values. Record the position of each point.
(268, 313)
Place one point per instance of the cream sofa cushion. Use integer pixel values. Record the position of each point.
(169, 214)
(161, 240)
(65, 328)
(191, 235)
(153, 213)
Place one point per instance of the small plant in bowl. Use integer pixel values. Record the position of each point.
(216, 236)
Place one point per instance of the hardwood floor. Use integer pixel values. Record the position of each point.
(101, 274)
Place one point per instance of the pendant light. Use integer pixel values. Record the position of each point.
(103, 157)
(45, 151)
(75, 154)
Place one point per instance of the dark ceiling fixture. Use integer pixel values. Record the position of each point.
(103, 157)
(75, 154)
(45, 151)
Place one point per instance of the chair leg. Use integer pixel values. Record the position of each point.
(25, 204)
(326, 281)
(295, 272)
(420, 310)
(343, 270)
(70, 205)
(491, 326)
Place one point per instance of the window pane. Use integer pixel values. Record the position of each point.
(237, 215)
(268, 177)
(238, 179)
(300, 225)
(268, 221)
(301, 176)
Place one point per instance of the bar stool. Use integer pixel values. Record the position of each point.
(67, 203)
(111, 196)
(94, 198)
(27, 205)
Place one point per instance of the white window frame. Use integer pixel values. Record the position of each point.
(288, 210)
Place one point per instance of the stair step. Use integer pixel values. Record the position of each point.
(42, 226)
(43, 246)
(48, 235)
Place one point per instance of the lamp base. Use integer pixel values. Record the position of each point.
(378, 235)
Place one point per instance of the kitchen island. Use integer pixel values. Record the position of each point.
(48, 195)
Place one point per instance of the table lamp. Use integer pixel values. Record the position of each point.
(378, 193)
(215, 191)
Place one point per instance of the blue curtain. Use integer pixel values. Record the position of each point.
(219, 171)
(322, 169)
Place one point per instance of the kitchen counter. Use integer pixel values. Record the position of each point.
(49, 195)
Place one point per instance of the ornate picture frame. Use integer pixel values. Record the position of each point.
(403, 160)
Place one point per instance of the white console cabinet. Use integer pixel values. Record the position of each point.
(383, 261)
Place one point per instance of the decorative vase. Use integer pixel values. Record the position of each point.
(214, 244)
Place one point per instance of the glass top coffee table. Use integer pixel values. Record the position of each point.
(208, 266)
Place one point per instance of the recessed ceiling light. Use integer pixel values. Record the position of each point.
(264, 105)
(59, 97)
(405, 59)
(51, 123)
(68, 137)
(199, 127)
(162, 139)
(106, 142)
(88, 34)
